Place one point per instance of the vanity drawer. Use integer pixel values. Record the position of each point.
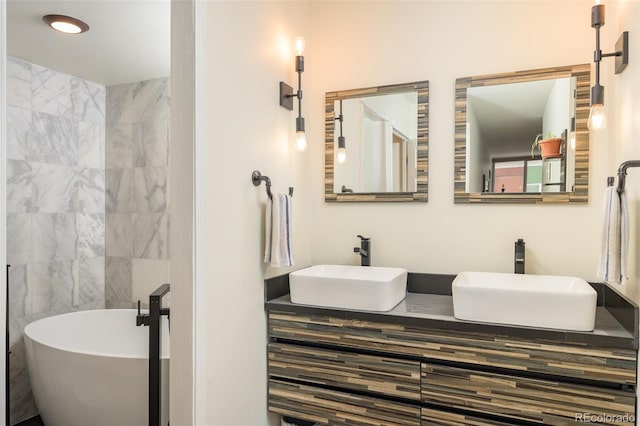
(508, 353)
(330, 407)
(365, 373)
(534, 400)
(431, 417)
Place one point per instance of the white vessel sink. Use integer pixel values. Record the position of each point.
(368, 288)
(565, 303)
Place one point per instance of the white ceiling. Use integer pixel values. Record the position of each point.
(510, 115)
(127, 41)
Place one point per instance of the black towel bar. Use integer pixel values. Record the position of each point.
(622, 174)
(257, 178)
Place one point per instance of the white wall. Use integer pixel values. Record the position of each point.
(622, 100)
(3, 147)
(557, 116)
(440, 41)
(478, 158)
(399, 109)
(247, 48)
(186, 351)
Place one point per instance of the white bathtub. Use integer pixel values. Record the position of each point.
(91, 368)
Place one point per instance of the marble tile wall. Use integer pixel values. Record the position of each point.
(137, 192)
(55, 204)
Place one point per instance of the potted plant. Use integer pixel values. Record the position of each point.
(548, 144)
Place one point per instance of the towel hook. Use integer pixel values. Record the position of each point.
(622, 174)
(257, 178)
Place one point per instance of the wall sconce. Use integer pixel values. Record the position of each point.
(287, 95)
(597, 117)
(342, 152)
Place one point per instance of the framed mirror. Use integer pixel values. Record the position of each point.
(500, 116)
(376, 143)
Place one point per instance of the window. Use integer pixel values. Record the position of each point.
(517, 175)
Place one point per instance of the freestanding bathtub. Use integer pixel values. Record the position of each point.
(91, 368)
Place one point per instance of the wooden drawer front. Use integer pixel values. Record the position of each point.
(602, 364)
(335, 408)
(391, 377)
(432, 417)
(540, 401)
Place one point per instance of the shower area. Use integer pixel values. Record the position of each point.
(87, 200)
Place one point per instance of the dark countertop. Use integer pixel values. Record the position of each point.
(435, 311)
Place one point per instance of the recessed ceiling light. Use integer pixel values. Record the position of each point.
(66, 24)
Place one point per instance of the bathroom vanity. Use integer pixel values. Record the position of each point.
(418, 365)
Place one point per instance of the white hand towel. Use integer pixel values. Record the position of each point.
(614, 247)
(624, 236)
(278, 225)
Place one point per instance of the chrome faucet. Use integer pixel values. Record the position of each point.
(364, 251)
(518, 258)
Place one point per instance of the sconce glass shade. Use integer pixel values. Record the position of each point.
(341, 156)
(301, 141)
(299, 46)
(597, 118)
(301, 138)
